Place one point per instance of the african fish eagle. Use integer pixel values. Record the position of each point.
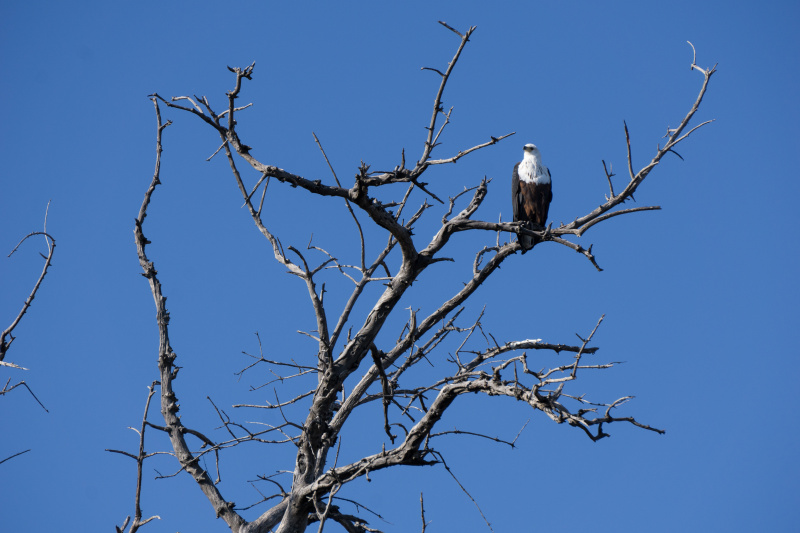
(531, 192)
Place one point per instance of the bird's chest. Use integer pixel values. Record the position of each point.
(530, 172)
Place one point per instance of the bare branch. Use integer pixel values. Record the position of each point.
(463, 489)
(609, 174)
(12, 456)
(474, 434)
(166, 356)
(387, 390)
(628, 144)
(422, 512)
(462, 153)
(139, 458)
(579, 225)
(437, 102)
(7, 333)
(346, 201)
(7, 389)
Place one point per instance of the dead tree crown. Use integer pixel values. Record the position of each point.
(348, 350)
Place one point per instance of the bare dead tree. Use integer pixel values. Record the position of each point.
(7, 337)
(352, 368)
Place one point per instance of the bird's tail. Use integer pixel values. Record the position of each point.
(528, 241)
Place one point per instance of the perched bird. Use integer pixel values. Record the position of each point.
(531, 192)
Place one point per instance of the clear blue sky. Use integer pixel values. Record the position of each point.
(701, 297)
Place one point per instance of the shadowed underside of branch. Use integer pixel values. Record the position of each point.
(349, 352)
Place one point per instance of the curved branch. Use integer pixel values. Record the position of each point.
(6, 344)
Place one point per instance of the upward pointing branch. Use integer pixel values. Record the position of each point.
(437, 103)
(166, 357)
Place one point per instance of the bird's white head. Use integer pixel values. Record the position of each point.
(530, 150)
(531, 167)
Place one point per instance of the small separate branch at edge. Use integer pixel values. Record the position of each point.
(51, 245)
(12, 456)
(6, 388)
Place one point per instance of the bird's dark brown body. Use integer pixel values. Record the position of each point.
(531, 193)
